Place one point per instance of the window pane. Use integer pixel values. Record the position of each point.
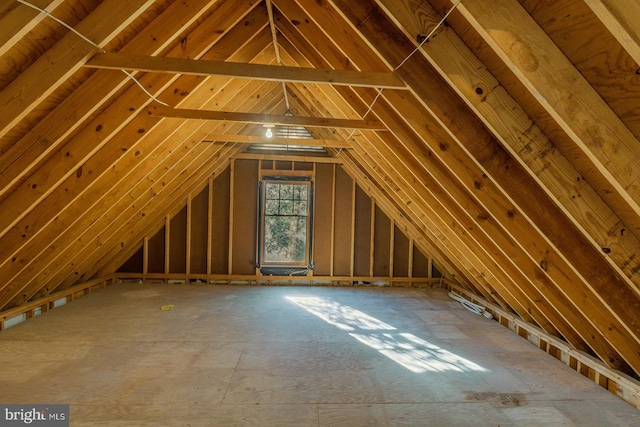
(285, 239)
(302, 208)
(286, 191)
(285, 223)
(273, 191)
(271, 207)
(286, 207)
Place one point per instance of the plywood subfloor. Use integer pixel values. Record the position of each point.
(298, 356)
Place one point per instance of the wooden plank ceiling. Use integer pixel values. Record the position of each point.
(507, 143)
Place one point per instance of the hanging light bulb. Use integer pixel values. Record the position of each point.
(269, 132)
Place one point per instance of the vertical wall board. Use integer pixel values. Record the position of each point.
(199, 231)
(359, 227)
(322, 220)
(400, 254)
(381, 241)
(178, 242)
(420, 263)
(303, 166)
(342, 217)
(266, 165)
(435, 273)
(156, 252)
(220, 223)
(133, 264)
(284, 165)
(362, 233)
(245, 213)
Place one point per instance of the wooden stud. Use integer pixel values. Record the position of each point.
(145, 255)
(231, 190)
(392, 248)
(209, 223)
(410, 258)
(353, 227)
(188, 238)
(372, 235)
(167, 243)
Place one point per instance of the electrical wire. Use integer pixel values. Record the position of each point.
(276, 47)
(475, 308)
(407, 58)
(64, 24)
(149, 94)
(83, 37)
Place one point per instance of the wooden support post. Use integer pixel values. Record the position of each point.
(209, 224)
(167, 243)
(372, 236)
(188, 240)
(231, 189)
(333, 218)
(410, 260)
(145, 255)
(353, 227)
(391, 245)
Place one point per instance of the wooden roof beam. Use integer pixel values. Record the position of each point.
(277, 73)
(451, 57)
(124, 134)
(101, 129)
(301, 142)
(108, 257)
(21, 19)
(605, 150)
(170, 147)
(393, 164)
(565, 245)
(56, 65)
(621, 18)
(273, 119)
(47, 136)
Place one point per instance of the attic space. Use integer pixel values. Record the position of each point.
(479, 153)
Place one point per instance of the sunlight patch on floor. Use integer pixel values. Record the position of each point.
(408, 350)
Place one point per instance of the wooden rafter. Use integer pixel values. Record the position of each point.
(159, 64)
(509, 122)
(621, 18)
(21, 19)
(62, 60)
(27, 153)
(569, 98)
(508, 174)
(505, 146)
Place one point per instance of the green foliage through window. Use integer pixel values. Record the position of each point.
(286, 220)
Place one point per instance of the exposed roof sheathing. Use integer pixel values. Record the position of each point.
(508, 141)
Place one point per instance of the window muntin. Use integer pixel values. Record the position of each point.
(285, 223)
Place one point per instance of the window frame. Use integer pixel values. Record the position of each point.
(284, 267)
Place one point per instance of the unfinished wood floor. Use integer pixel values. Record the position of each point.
(298, 356)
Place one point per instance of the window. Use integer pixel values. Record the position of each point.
(285, 223)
